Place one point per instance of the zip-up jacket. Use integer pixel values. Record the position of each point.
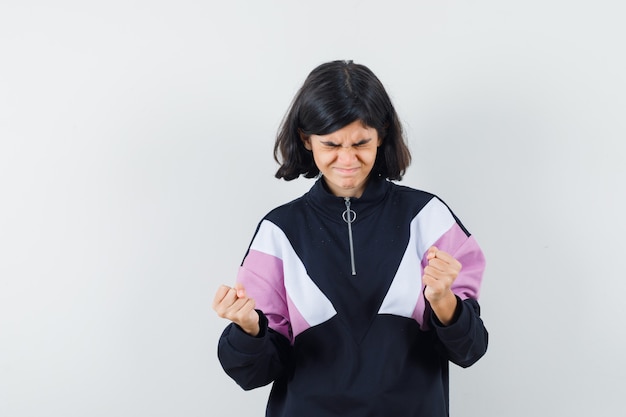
(345, 328)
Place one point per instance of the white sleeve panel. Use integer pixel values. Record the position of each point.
(309, 300)
(406, 288)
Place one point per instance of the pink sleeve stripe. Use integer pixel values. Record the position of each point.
(268, 290)
(298, 322)
(465, 249)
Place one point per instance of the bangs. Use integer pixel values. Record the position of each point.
(321, 117)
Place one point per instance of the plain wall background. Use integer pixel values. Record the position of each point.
(136, 160)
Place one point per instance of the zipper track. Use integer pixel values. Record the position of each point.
(349, 216)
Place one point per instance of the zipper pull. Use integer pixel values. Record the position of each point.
(349, 216)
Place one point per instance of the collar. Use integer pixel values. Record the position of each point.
(323, 201)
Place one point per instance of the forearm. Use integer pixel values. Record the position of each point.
(445, 308)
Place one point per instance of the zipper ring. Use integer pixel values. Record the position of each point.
(349, 216)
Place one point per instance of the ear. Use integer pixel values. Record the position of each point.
(306, 140)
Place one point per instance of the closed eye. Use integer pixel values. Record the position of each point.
(359, 144)
(362, 142)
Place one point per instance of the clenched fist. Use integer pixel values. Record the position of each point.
(439, 274)
(233, 304)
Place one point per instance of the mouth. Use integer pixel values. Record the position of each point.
(346, 171)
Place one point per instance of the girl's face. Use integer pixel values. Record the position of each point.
(345, 157)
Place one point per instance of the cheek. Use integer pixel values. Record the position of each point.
(322, 159)
(370, 157)
(325, 157)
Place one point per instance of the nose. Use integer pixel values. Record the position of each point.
(346, 154)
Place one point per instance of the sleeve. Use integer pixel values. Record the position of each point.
(253, 362)
(257, 361)
(464, 341)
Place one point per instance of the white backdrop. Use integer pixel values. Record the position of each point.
(136, 160)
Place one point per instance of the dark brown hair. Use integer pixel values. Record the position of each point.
(334, 95)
